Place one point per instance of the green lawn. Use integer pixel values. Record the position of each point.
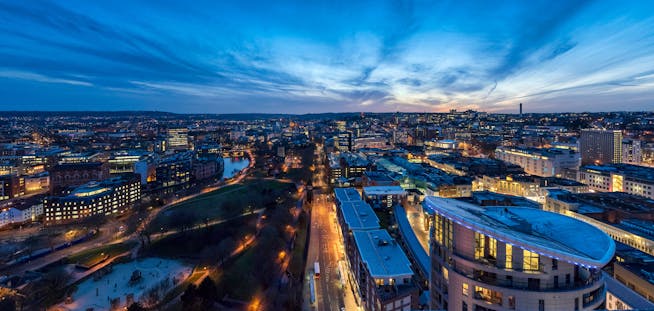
(223, 203)
(193, 243)
(236, 279)
(93, 256)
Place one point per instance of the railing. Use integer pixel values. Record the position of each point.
(520, 283)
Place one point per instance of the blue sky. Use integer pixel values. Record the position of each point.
(327, 56)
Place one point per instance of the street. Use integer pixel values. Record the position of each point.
(326, 248)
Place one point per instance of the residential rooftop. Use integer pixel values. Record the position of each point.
(549, 234)
(346, 195)
(382, 254)
(358, 215)
(383, 190)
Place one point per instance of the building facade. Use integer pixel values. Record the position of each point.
(540, 162)
(107, 197)
(76, 174)
(600, 146)
(632, 179)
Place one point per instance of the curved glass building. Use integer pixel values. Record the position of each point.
(514, 258)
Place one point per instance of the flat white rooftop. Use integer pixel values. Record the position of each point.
(383, 190)
(346, 195)
(383, 256)
(549, 234)
(358, 215)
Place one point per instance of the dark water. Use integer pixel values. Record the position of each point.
(234, 165)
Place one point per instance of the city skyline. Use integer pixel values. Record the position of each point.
(339, 57)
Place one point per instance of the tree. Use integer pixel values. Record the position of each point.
(54, 283)
(95, 221)
(225, 248)
(189, 296)
(208, 290)
(31, 244)
(135, 307)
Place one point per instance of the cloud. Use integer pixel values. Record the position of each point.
(291, 57)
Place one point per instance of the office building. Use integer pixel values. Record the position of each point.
(345, 166)
(177, 139)
(344, 141)
(514, 258)
(107, 197)
(632, 179)
(600, 146)
(540, 162)
(11, 186)
(631, 151)
(124, 161)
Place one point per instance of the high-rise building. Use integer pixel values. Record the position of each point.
(521, 109)
(631, 151)
(177, 138)
(600, 146)
(344, 141)
(514, 258)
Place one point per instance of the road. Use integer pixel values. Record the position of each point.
(326, 247)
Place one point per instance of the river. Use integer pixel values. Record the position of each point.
(234, 165)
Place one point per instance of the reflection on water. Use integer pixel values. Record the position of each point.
(234, 165)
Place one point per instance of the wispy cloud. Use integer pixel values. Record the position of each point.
(303, 57)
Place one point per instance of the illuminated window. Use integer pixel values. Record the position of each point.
(509, 256)
(480, 245)
(492, 247)
(529, 261)
(465, 289)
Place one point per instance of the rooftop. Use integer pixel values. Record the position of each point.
(630, 171)
(346, 195)
(544, 152)
(358, 215)
(383, 190)
(382, 254)
(624, 293)
(549, 234)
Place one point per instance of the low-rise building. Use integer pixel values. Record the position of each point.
(384, 196)
(632, 179)
(19, 211)
(541, 162)
(384, 278)
(347, 165)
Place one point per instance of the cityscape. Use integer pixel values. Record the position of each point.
(337, 156)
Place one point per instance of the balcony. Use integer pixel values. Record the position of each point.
(501, 279)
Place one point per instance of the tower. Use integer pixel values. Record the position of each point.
(521, 109)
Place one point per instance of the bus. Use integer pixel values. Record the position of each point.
(316, 270)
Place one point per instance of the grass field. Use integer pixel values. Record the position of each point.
(93, 256)
(236, 279)
(223, 203)
(200, 243)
